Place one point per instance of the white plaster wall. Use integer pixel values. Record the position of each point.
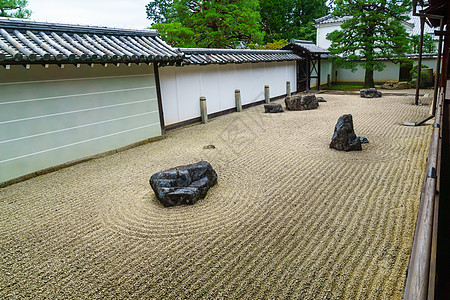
(429, 62)
(390, 72)
(322, 31)
(50, 116)
(182, 87)
(326, 67)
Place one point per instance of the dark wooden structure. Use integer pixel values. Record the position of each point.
(310, 67)
(428, 275)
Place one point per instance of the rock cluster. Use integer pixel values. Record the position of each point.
(301, 102)
(273, 108)
(370, 93)
(183, 184)
(395, 85)
(344, 137)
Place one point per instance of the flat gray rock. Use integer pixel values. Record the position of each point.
(273, 108)
(301, 102)
(370, 93)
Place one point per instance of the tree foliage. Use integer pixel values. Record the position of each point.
(286, 19)
(372, 31)
(275, 45)
(207, 23)
(158, 10)
(428, 44)
(14, 9)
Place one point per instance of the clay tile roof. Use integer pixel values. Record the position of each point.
(24, 41)
(204, 56)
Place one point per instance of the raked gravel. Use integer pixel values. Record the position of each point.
(289, 217)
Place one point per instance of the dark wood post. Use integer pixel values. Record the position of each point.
(158, 95)
(308, 73)
(419, 69)
(438, 68)
(318, 73)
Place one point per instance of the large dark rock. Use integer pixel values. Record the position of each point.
(273, 108)
(183, 184)
(370, 93)
(301, 102)
(344, 137)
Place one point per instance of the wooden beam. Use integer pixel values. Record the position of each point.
(159, 96)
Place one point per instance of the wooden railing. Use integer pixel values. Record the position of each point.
(420, 279)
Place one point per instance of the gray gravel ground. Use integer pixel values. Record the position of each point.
(289, 217)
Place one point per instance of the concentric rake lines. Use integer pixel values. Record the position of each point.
(288, 218)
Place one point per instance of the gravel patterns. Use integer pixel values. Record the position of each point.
(289, 217)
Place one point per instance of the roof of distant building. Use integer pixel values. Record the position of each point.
(328, 19)
(303, 46)
(414, 23)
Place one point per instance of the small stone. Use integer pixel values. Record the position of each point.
(344, 137)
(370, 93)
(273, 108)
(209, 147)
(363, 140)
(183, 184)
(301, 102)
(320, 99)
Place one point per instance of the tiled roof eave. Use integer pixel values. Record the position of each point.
(27, 42)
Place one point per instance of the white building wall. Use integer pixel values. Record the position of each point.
(326, 67)
(428, 62)
(322, 32)
(390, 72)
(51, 116)
(182, 87)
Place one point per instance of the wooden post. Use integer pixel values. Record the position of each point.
(159, 98)
(419, 69)
(203, 110)
(237, 98)
(318, 73)
(438, 68)
(308, 73)
(288, 88)
(328, 80)
(266, 94)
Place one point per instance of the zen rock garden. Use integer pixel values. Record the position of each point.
(273, 108)
(370, 93)
(301, 102)
(183, 184)
(344, 137)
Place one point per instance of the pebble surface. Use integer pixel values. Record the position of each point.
(288, 218)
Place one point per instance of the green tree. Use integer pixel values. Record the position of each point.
(207, 23)
(275, 45)
(428, 44)
(286, 19)
(158, 10)
(14, 9)
(373, 31)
